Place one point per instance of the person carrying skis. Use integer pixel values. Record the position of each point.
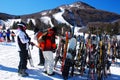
(37, 35)
(71, 53)
(48, 46)
(23, 41)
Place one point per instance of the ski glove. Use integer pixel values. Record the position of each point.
(32, 43)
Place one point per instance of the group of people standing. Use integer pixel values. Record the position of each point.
(46, 45)
(7, 36)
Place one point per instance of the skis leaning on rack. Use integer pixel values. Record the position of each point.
(65, 52)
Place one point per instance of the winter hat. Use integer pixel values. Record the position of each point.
(54, 29)
(21, 24)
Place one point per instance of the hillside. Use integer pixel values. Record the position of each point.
(82, 14)
(77, 14)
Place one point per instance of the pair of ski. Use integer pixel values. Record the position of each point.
(68, 57)
(30, 58)
(65, 52)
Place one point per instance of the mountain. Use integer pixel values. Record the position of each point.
(77, 14)
(4, 16)
(82, 13)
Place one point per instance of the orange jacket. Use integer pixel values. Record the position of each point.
(48, 43)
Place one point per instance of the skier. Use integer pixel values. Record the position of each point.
(108, 62)
(4, 35)
(69, 61)
(48, 46)
(1, 36)
(118, 49)
(41, 57)
(23, 41)
(8, 35)
(13, 36)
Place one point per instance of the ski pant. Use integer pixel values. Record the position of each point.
(49, 61)
(23, 59)
(41, 57)
(8, 38)
(68, 63)
(13, 39)
(108, 65)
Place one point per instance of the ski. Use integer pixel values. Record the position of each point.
(69, 60)
(30, 58)
(65, 52)
(100, 59)
(58, 56)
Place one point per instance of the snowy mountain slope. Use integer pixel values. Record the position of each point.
(9, 59)
(83, 14)
(59, 18)
(47, 20)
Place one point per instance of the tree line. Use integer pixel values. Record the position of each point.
(93, 27)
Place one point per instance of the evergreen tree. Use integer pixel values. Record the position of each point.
(116, 28)
(38, 23)
(62, 25)
(4, 27)
(41, 25)
(14, 26)
(30, 25)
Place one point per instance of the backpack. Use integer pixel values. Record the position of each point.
(47, 41)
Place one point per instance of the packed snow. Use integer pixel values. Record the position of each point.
(9, 59)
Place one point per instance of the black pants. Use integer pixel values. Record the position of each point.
(23, 59)
(41, 57)
(8, 38)
(68, 63)
(13, 39)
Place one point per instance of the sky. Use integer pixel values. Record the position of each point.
(21, 7)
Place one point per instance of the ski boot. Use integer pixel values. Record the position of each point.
(22, 73)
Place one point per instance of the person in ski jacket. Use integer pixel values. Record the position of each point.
(38, 33)
(72, 47)
(8, 35)
(1, 35)
(4, 35)
(48, 45)
(23, 41)
(13, 36)
(71, 53)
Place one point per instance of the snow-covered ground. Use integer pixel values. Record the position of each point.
(9, 60)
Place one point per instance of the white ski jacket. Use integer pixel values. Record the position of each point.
(23, 40)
